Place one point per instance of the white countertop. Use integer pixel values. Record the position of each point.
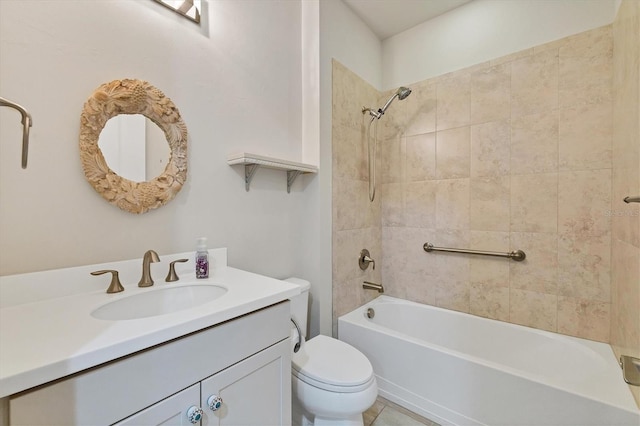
(47, 339)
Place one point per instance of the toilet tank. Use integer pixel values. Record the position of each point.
(300, 303)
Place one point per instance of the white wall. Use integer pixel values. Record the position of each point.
(483, 30)
(237, 83)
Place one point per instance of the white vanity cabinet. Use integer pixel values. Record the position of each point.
(168, 412)
(245, 361)
(251, 392)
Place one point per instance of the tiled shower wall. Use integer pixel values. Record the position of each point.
(356, 221)
(625, 254)
(510, 154)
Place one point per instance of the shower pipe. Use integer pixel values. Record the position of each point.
(401, 94)
(26, 124)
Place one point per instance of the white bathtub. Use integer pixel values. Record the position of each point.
(460, 369)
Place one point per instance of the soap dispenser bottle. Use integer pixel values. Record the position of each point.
(202, 259)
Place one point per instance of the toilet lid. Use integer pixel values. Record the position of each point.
(328, 361)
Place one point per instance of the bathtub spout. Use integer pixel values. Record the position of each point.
(373, 286)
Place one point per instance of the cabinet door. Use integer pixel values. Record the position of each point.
(256, 391)
(171, 411)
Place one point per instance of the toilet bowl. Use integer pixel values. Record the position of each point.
(332, 383)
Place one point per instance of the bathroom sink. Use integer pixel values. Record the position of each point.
(158, 302)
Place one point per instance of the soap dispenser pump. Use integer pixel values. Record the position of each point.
(202, 259)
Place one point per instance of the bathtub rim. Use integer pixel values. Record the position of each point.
(358, 317)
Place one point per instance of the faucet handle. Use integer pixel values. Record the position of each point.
(365, 260)
(114, 286)
(172, 276)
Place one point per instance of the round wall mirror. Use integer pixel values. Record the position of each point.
(119, 179)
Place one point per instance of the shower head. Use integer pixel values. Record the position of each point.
(401, 94)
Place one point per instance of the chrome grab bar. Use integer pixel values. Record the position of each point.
(517, 255)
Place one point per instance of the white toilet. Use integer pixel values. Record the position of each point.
(332, 383)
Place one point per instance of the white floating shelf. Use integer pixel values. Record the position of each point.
(251, 163)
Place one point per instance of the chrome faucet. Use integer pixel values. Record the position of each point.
(149, 257)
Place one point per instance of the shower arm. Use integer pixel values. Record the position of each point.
(26, 124)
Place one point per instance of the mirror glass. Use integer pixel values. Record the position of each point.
(134, 147)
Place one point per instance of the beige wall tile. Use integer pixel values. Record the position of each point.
(534, 143)
(487, 271)
(419, 288)
(452, 204)
(420, 109)
(626, 88)
(584, 318)
(534, 203)
(490, 149)
(534, 83)
(490, 94)
(452, 282)
(404, 259)
(584, 265)
(421, 157)
(391, 159)
(539, 271)
(585, 68)
(583, 201)
(625, 278)
(347, 275)
(533, 309)
(391, 204)
(490, 203)
(453, 150)
(453, 105)
(420, 204)
(349, 152)
(625, 257)
(349, 94)
(351, 207)
(346, 252)
(585, 134)
(489, 302)
(625, 218)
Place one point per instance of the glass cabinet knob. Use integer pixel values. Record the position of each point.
(214, 402)
(194, 414)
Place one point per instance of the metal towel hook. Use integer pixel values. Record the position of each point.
(26, 124)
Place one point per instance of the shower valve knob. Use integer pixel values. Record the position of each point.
(365, 260)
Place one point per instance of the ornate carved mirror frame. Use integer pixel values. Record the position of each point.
(132, 97)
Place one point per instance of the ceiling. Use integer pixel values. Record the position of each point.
(390, 17)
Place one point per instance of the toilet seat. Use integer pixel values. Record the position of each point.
(332, 365)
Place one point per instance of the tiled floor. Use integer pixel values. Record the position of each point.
(386, 413)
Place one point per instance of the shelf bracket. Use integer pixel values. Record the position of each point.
(249, 171)
(251, 162)
(291, 177)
